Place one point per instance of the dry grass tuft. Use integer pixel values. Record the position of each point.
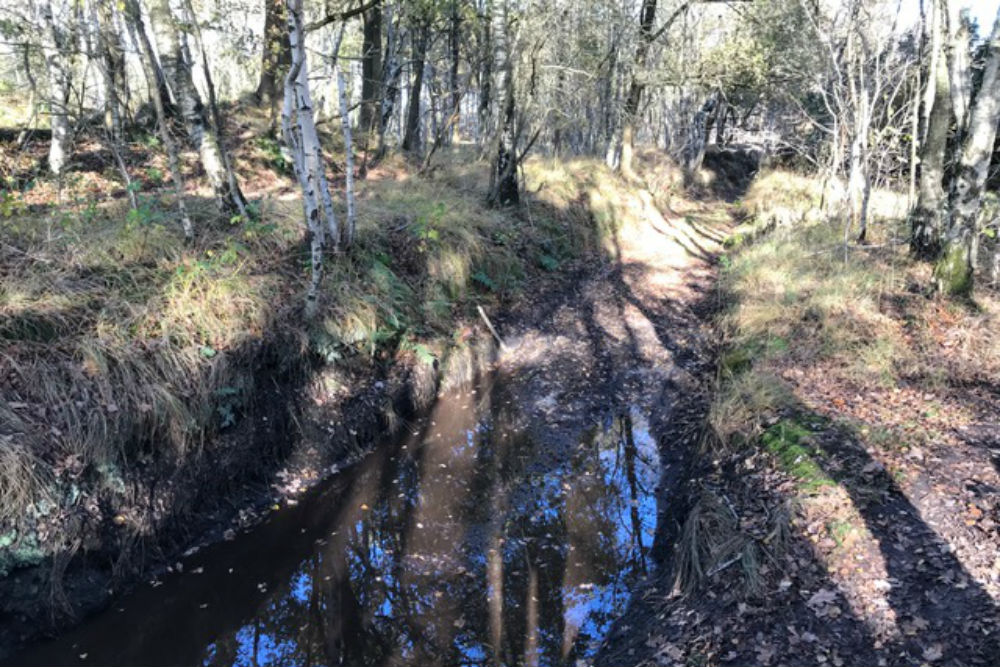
(714, 541)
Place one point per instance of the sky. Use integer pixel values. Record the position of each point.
(984, 11)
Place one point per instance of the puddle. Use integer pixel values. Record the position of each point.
(468, 542)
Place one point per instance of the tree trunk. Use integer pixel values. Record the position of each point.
(954, 271)
(307, 157)
(454, 46)
(276, 55)
(694, 148)
(54, 47)
(391, 72)
(485, 73)
(228, 189)
(411, 136)
(109, 62)
(925, 231)
(504, 188)
(176, 64)
(371, 70)
(148, 58)
(647, 17)
(959, 67)
(859, 103)
(345, 124)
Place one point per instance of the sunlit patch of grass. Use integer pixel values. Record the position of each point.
(741, 407)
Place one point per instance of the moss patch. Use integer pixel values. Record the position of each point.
(953, 273)
(788, 441)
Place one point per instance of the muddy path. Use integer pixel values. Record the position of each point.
(511, 522)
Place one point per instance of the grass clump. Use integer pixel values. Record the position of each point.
(714, 540)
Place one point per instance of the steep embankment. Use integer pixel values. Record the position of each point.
(155, 392)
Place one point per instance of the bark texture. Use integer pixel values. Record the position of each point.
(925, 232)
(299, 131)
(54, 47)
(954, 271)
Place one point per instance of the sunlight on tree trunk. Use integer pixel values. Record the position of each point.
(954, 271)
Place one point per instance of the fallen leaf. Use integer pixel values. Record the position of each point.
(821, 597)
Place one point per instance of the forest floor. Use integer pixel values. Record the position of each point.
(847, 504)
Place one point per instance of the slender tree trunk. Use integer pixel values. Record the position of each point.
(504, 187)
(391, 71)
(647, 18)
(25, 132)
(107, 63)
(859, 100)
(276, 55)
(202, 131)
(934, 34)
(54, 47)
(148, 58)
(226, 184)
(299, 131)
(486, 72)
(411, 136)
(959, 67)
(954, 271)
(454, 46)
(925, 231)
(371, 70)
(345, 124)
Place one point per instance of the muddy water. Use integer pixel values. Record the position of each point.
(472, 540)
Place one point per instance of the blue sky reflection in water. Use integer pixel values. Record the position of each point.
(468, 542)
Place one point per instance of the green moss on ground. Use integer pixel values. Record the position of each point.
(788, 441)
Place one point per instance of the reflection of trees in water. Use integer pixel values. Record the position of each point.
(512, 552)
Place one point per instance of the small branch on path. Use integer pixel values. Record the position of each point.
(489, 325)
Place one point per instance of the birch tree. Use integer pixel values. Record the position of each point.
(345, 124)
(55, 47)
(954, 271)
(925, 225)
(202, 132)
(148, 58)
(299, 132)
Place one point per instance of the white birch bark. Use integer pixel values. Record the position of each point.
(57, 67)
(299, 131)
(954, 271)
(925, 234)
(147, 56)
(345, 123)
(177, 69)
(225, 183)
(959, 72)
